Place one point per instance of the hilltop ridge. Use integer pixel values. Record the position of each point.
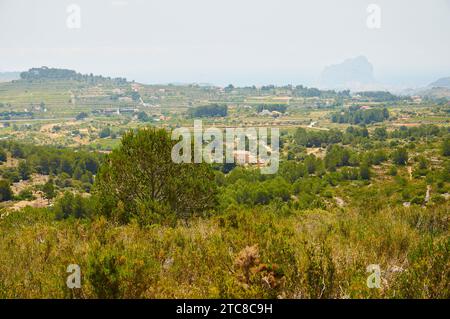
(48, 74)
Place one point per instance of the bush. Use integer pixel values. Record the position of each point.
(70, 205)
(446, 147)
(81, 116)
(5, 191)
(143, 117)
(364, 171)
(3, 156)
(24, 170)
(392, 171)
(400, 156)
(105, 132)
(26, 194)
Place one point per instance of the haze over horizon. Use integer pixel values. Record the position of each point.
(251, 43)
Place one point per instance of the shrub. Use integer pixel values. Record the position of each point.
(26, 194)
(3, 156)
(5, 191)
(400, 156)
(70, 205)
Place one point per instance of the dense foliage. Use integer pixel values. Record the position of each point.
(140, 180)
(360, 116)
(379, 96)
(212, 110)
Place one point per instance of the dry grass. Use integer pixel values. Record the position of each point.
(242, 253)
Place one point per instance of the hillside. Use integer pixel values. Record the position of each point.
(442, 82)
(53, 74)
(60, 90)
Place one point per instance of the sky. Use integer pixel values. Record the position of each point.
(244, 42)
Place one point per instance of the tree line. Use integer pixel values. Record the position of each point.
(45, 73)
(211, 110)
(360, 116)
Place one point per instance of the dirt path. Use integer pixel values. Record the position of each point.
(410, 172)
(428, 196)
(37, 203)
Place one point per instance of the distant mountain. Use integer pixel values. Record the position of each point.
(9, 76)
(441, 83)
(354, 74)
(435, 92)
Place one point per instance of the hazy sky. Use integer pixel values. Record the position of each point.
(228, 41)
